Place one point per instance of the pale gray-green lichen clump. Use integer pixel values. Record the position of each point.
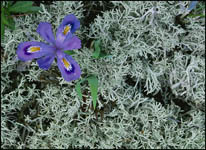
(155, 66)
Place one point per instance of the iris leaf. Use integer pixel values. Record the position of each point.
(23, 7)
(2, 30)
(97, 49)
(18, 6)
(32, 9)
(69, 52)
(10, 3)
(11, 23)
(196, 15)
(3, 18)
(78, 88)
(93, 83)
(198, 11)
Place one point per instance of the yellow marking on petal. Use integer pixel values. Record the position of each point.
(66, 29)
(66, 64)
(34, 49)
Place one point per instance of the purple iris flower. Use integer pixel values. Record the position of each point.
(65, 40)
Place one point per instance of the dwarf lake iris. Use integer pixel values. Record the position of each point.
(65, 40)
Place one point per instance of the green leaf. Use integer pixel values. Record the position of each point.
(201, 7)
(78, 88)
(10, 3)
(196, 15)
(3, 18)
(7, 19)
(69, 52)
(97, 49)
(93, 83)
(32, 9)
(2, 30)
(24, 7)
(20, 5)
(11, 23)
(103, 54)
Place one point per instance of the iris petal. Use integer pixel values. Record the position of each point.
(45, 31)
(30, 50)
(45, 62)
(63, 32)
(72, 43)
(69, 68)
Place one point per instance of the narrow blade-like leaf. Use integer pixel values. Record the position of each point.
(97, 49)
(3, 18)
(20, 5)
(10, 3)
(103, 54)
(11, 23)
(93, 83)
(32, 9)
(24, 7)
(69, 52)
(78, 88)
(2, 30)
